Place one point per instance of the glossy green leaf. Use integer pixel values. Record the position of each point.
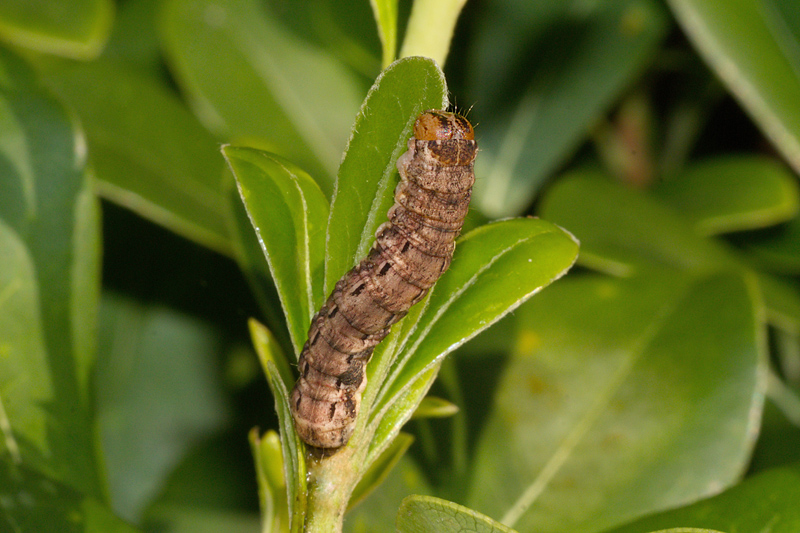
(250, 257)
(152, 409)
(380, 469)
(365, 185)
(652, 402)
(280, 379)
(246, 77)
(733, 193)
(46, 202)
(535, 106)
(752, 46)
(495, 268)
(289, 214)
(434, 407)
(77, 29)
(642, 231)
(386, 18)
(390, 419)
(30, 501)
(158, 161)
(766, 502)
(271, 482)
(622, 231)
(430, 29)
(426, 514)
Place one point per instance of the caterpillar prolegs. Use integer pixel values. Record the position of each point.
(410, 253)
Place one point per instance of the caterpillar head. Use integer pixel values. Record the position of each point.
(435, 125)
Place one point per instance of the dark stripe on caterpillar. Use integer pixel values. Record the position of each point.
(410, 253)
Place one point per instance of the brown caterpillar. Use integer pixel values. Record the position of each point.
(410, 253)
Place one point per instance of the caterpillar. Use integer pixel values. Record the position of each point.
(410, 253)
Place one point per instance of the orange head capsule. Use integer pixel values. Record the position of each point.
(442, 126)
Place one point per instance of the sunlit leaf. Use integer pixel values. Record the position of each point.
(426, 514)
(652, 402)
(289, 214)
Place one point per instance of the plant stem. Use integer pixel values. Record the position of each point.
(331, 482)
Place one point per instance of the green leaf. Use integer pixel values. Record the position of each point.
(33, 502)
(45, 201)
(753, 47)
(24, 374)
(271, 482)
(651, 401)
(77, 29)
(495, 268)
(623, 231)
(430, 29)
(250, 257)
(434, 407)
(526, 135)
(170, 174)
(420, 514)
(386, 18)
(364, 189)
(246, 77)
(640, 232)
(152, 409)
(293, 450)
(289, 212)
(380, 469)
(732, 193)
(766, 502)
(393, 417)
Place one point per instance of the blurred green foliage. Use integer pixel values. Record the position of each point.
(663, 134)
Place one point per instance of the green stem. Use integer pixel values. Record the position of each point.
(331, 482)
(430, 28)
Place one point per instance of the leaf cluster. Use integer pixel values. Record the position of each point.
(653, 389)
